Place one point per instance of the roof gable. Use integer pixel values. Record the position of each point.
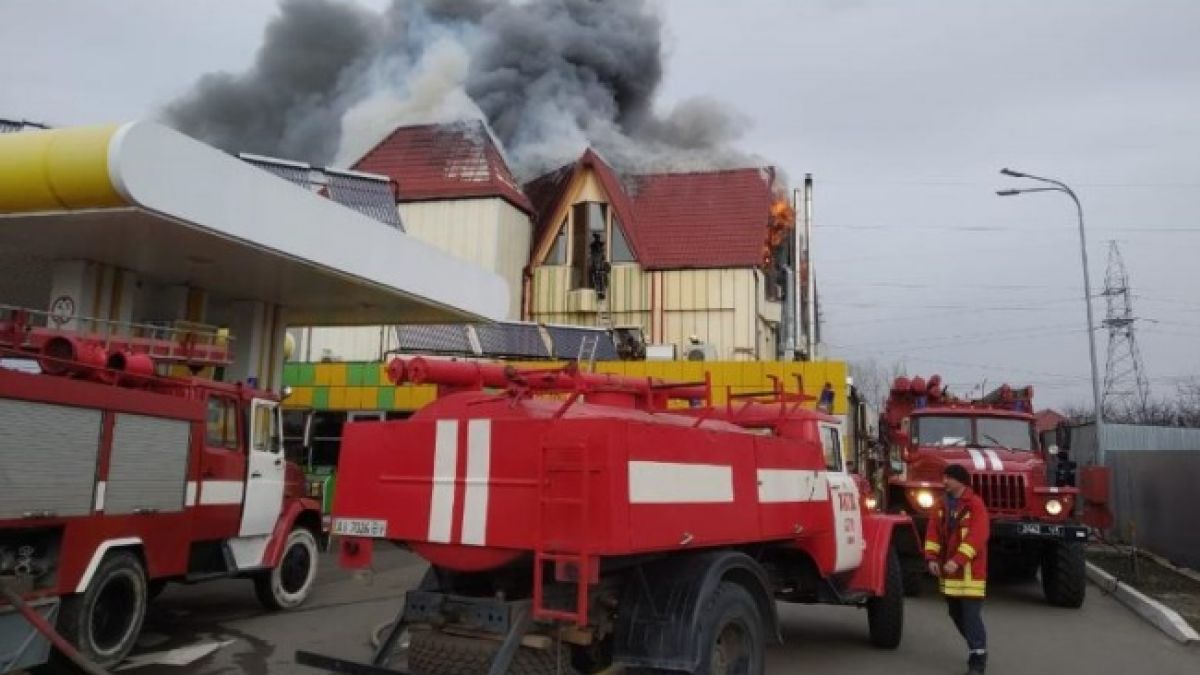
(444, 161)
(700, 220)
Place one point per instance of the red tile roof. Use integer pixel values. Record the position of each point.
(444, 161)
(710, 219)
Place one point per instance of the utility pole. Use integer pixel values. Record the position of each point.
(1059, 186)
(1126, 388)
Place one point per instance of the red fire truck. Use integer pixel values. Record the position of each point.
(1033, 521)
(573, 521)
(115, 480)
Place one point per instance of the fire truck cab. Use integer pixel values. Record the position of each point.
(576, 521)
(1033, 517)
(116, 480)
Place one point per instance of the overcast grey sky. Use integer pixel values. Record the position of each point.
(903, 111)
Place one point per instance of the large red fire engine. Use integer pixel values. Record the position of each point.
(1033, 523)
(575, 521)
(115, 480)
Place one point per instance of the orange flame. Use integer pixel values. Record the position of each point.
(782, 221)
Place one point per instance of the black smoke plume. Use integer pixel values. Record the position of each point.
(549, 76)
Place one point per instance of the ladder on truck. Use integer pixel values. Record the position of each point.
(563, 539)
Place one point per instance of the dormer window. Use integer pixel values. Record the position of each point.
(618, 247)
(558, 250)
(588, 245)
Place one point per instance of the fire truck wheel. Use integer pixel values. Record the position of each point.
(1064, 575)
(433, 652)
(732, 637)
(287, 585)
(885, 614)
(103, 622)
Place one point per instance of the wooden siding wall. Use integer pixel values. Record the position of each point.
(721, 307)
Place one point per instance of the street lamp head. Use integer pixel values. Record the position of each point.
(1014, 174)
(1007, 193)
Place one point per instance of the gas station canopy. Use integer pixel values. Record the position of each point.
(145, 198)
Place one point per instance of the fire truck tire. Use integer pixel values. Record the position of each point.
(433, 652)
(1064, 575)
(732, 636)
(885, 614)
(103, 622)
(288, 584)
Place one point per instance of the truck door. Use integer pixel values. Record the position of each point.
(844, 500)
(265, 476)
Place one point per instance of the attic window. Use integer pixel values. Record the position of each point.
(589, 220)
(618, 247)
(558, 250)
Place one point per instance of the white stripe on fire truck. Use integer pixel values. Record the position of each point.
(997, 465)
(475, 500)
(977, 459)
(445, 471)
(776, 486)
(221, 492)
(189, 496)
(100, 487)
(676, 483)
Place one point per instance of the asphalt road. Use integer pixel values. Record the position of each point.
(1026, 636)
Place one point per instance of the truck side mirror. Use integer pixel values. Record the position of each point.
(904, 440)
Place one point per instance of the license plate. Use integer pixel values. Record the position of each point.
(360, 527)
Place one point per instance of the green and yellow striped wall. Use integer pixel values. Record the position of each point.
(364, 386)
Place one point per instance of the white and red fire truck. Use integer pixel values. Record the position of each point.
(576, 521)
(115, 480)
(1039, 522)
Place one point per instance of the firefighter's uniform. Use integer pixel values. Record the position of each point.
(960, 535)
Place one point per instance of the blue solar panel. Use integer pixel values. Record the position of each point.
(514, 340)
(568, 340)
(449, 338)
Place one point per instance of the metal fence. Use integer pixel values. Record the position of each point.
(1155, 476)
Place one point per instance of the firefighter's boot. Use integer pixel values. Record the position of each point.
(976, 664)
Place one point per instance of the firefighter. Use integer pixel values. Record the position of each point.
(956, 550)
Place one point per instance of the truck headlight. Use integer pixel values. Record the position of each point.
(925, 499)
(1054, 507)
(871, 502)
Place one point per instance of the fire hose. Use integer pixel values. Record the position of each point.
(42, 626)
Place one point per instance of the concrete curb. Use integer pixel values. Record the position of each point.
(1157, 614)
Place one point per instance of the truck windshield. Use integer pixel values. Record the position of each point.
(943, 430)
(988, 431)
(1011, 434)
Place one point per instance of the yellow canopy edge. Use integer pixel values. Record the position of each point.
(57, 169)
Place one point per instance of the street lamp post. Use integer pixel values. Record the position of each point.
(1058, 186)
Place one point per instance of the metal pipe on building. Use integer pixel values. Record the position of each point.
(809, 287)
(795, 286)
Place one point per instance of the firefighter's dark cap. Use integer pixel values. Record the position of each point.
(958, 472)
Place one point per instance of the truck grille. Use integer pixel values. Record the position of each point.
(1000, 492)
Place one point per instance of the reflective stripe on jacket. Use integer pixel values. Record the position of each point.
(960, 537)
